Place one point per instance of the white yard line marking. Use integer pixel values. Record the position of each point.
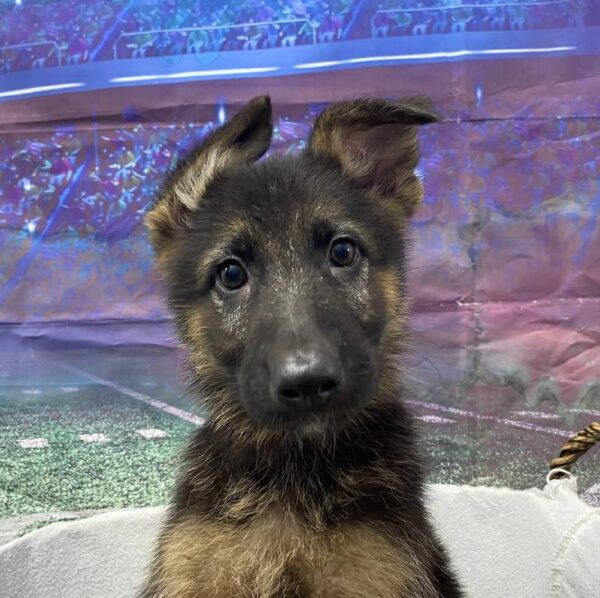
(32, 443)
(151, 433)
(31, 391)
(435, 419)
(499, 420)
(537, 414)
(93, 438)
(593, 412)
(134, 394)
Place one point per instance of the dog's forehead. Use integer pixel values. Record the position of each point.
(280, 197)
(293, 186)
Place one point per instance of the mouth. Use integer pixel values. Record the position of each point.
(322, 416)
(310, 423)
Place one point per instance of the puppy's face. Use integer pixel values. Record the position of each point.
(286, 276)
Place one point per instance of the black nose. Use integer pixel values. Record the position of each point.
(307, 379)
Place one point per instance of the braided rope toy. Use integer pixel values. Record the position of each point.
(576, 446)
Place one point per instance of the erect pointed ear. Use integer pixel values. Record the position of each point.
(242, 140)
(375, 142)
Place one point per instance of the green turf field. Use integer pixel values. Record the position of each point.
(121, 469)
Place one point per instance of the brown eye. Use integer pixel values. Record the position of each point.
(343, 253)
(232, 275)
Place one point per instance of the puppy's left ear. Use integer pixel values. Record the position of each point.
(375, 143)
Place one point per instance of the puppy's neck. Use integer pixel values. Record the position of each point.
(368, 466)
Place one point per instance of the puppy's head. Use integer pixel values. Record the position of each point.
(286, 277)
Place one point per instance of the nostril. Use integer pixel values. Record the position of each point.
(290, 395)
(326, 389)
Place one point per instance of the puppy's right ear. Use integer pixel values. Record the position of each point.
(242, 140)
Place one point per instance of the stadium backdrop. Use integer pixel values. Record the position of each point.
(99, 99)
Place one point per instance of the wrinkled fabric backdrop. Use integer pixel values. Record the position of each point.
(505, 278)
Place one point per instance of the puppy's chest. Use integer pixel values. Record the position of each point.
(277, 555)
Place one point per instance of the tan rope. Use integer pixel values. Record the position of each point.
(576, 446)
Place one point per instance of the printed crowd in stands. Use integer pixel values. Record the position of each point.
(120, 173)
(264, 24)
(71, 32)
(71, 28)
(435, 16)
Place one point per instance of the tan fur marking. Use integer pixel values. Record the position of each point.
(266, 559)
(233, 231)
(161, 224)
(158, 217)
(195, 335)
(392, 296)
(362, 561)
(393, 340)
(192, 185)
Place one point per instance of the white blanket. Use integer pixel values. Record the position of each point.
(503, 543)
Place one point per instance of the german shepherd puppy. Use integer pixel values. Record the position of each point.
(286, 279)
